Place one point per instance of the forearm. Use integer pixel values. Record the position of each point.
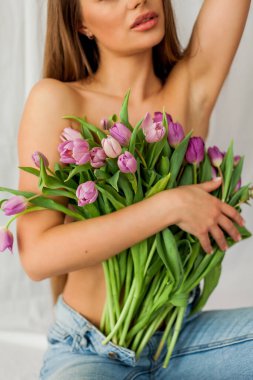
(73, 246)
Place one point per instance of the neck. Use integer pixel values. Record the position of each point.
(116, 74)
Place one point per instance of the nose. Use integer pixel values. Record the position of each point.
(132, 4)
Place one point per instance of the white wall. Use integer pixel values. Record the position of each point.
(26, 304)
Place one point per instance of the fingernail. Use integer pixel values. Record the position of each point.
(216, 179)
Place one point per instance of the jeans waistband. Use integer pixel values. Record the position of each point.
(86, 333)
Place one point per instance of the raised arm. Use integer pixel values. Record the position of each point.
(215, 38)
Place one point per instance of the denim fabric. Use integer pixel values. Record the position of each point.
(213, 345)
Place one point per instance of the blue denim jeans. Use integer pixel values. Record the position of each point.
(212, 345)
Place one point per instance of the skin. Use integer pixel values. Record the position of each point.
(189, 95)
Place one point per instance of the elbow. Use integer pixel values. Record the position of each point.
(31, 267)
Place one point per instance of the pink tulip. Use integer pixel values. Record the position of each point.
(111, 147)
(74, 152)
(121, 133)
(14, 205)
(70, 134)
(36, 159)
(97, 157)
(6, 239)
(214, 172)
(127, 163)
(86, 193)
(153, 131)
(105, 124)
(238, 185)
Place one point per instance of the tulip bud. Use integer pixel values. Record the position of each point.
(6, 239)
(195, 151)
(176, 134)
(36, 159)
(97, 157)
(158, 117)
(236, 160)
(214, 172)
(111, 147)
(121, 133)
(70, 134)
(153, 132)
(14, 205)
(215, 156)
(238, 185)
(86, 193)
(105, 124)
(127, 163)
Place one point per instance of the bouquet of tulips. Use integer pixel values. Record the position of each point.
(111, 167)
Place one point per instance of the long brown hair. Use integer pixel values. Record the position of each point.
(71, 56)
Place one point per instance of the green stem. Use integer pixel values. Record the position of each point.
(150, 256)
(176, 332)
(195, 177)
(222, 184)
(152, 328)
(141, 157)
(122, 315)
(165, 335)
(109, 294)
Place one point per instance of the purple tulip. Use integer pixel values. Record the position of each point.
(127, 163)
(158, 117)
(70, 134)
(196, 150)
(74, 152)
(86, 193)
(6, 239)
(121, 133)
(105, 124)
(153, 131)
(97, 157)
(111, 147)
(236, 160)
(14, 205)
(36, 159)
(176, 134)
(215, 155)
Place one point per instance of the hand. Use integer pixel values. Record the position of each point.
(200, 213)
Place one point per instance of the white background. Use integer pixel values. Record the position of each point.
(26, 306)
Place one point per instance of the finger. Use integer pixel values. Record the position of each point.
(206, 243)
(229, 227)
(232, 213)
(218, 235)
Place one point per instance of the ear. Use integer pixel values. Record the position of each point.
(82, 29)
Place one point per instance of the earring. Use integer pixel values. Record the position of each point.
(90, 36)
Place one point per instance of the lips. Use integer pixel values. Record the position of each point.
(143, 18)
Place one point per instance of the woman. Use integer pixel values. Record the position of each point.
(95, 51)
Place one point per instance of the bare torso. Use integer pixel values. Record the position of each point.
(85, 289)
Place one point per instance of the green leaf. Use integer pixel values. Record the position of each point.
(177, 159)
(58, 193)
(154, 151)
(92, 209)
(159, 186)
(124, 111)
(132, 179)
(116, 204)
(101, 135)
(164, 165)
(139, 194)
(236, 175)
(134, 136)
(112, 165)
(205, 169)
(187, 176)
(78, 169)
(101, 174)
(241, 195)
(126, 188)
(228, 164)
(114, 180)
(30, 170)
(210, 282)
